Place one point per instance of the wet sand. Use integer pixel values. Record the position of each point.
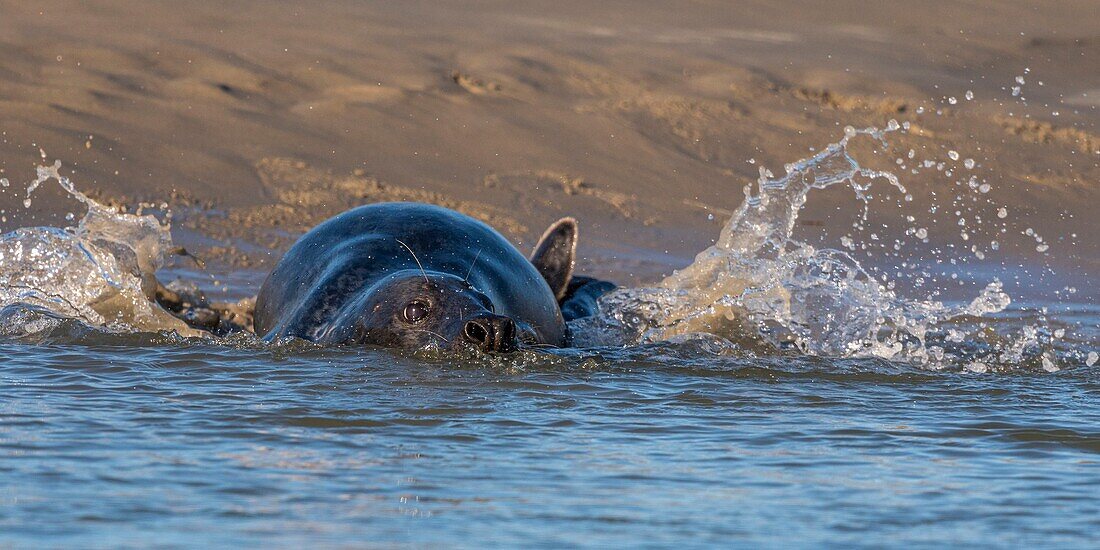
(642, 119)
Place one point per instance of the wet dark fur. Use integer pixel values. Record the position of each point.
(350, 280)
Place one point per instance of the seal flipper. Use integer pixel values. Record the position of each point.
(556, 254)
(582, 297)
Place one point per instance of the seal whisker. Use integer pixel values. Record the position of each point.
(417, 260)
(472, 264)
(540, 345)
(433, 333)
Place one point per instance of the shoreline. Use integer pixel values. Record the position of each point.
(642, 123)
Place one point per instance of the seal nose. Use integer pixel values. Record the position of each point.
(491, 332)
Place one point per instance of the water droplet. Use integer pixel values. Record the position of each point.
(984, 188)
(952, 100)
(1002, 212)
(1048, 364)
(969, 95)
(953, 155)
(1092, 358)
(922, 233)
(969, 164)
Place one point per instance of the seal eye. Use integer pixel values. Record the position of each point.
(416, 311)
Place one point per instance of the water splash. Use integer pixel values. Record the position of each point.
(99, 272)
(758, 286)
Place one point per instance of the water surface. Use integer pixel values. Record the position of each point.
(885, 391)
(143, 440)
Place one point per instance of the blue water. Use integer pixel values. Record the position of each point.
(109, 440)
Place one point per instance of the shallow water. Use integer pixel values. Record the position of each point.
(141, 440)
(771, 389)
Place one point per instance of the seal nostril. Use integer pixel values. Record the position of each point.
(491, 333)
(507, 329)
(476, 332)
(504, 334)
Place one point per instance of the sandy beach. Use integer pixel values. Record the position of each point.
(643, 120)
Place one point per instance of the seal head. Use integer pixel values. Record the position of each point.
(413, 309)
(413, 275)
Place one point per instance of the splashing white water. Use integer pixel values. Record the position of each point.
(756, 282)
(757, 286)
(99, 272)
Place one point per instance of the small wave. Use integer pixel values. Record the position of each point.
(757, 292)
(758, 287)
(99, 272)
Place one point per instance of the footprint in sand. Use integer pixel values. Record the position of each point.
(474, 85)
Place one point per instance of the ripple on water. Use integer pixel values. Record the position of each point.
(123, 437)
(246, 443)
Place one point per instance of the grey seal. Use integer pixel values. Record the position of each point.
(411, 275)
